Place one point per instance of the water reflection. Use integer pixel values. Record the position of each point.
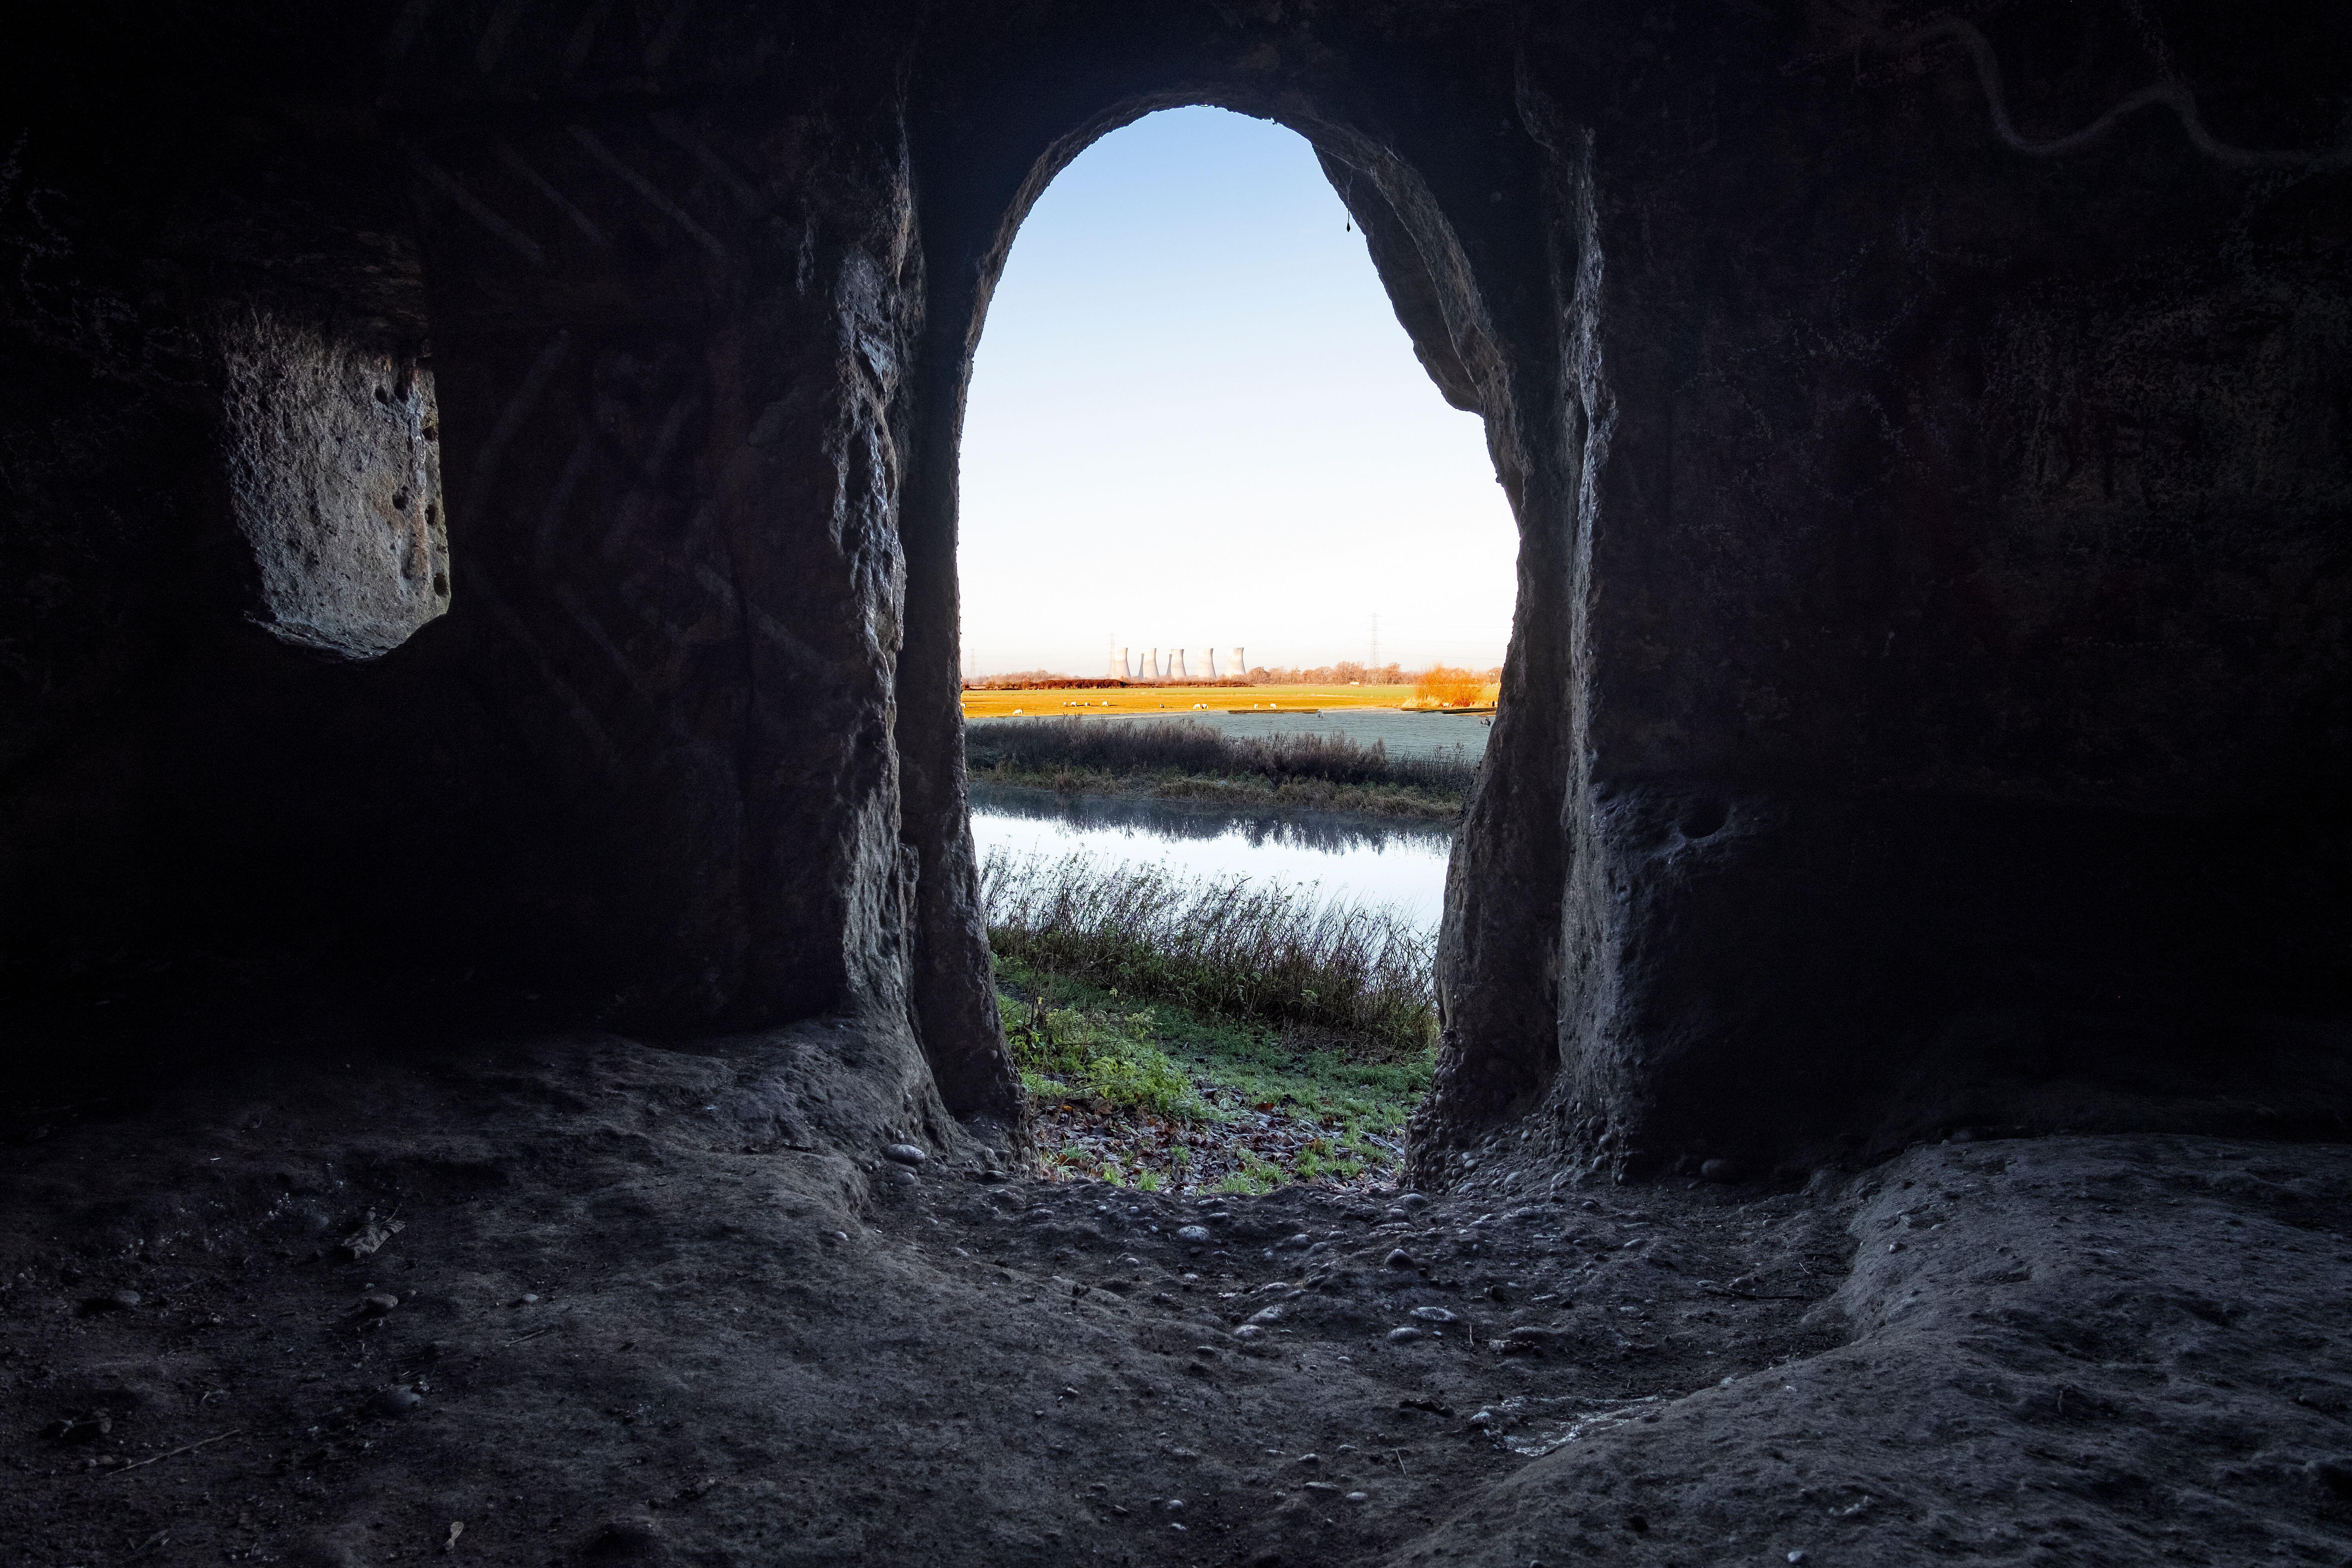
(1371, 859)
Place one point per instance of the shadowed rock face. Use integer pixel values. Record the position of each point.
(1926, 700)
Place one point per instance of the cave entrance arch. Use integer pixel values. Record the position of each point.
(1461, 261)
(1193, 414)
(1194, 420)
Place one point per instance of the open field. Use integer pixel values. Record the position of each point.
(1187, 759)
(1401, 731)
(1069, 702)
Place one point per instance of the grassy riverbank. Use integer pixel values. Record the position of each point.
(1158, 1096)
(1226, 947)
(1184, 761)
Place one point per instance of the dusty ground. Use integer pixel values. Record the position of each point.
(664, 1305)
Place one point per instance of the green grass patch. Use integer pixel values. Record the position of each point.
(1066, 1053)
(1157, 1093)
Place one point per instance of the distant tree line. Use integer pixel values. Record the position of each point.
(1339, 674)
(1346, 672)
(1042, 681)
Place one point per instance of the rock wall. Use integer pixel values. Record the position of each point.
(334, 480)
(1925, 697)
(1958, 690)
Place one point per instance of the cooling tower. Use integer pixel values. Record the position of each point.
(1176, 664)
(1118, 669)
(1208, 664)
(1234, 667)
(1150, 670)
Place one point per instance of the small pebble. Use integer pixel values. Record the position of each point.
(1797, 1557)
(1400, 1258)
(1434, 1315)
(1308, 1461)
(1360, 1496)
(376, 1305)
(902, 1177)
(1413, 1201)
(905, 1154)
(524, 1301)
(1399, 1336)
(1248, 1331)
(399, 1400)
(1193, 1233)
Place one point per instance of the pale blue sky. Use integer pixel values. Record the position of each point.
(1194, 420)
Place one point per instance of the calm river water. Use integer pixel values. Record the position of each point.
(1368, 859)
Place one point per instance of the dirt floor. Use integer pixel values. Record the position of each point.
(594, 1301)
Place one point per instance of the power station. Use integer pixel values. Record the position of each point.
(1125, 665)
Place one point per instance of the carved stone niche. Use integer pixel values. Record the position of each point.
(333, 465)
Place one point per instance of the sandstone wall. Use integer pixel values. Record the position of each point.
(482, 488)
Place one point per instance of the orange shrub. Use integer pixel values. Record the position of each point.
(1443, 686)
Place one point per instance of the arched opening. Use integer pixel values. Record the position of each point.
(1235, 588)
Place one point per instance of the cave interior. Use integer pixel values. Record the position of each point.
(485, 825)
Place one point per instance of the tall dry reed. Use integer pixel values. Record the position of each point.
(1233, 946)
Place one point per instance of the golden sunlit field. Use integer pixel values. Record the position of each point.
(1067, 702)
